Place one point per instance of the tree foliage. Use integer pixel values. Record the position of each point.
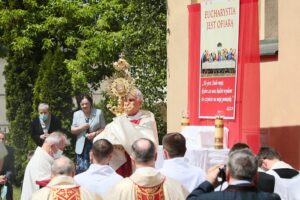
(19, 80)
(70, 45)
(53, 86)
(145, 33)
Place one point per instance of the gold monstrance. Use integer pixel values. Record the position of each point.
(120, 85)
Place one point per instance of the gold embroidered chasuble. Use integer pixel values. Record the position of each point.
(64, 188)
(147, 184)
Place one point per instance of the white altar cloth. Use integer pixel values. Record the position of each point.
(202, 136)
(200, 147)
(203, 158)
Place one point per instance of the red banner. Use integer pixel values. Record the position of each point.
(219, 52)
(217, 94)
(245, 126)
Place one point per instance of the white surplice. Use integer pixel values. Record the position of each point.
(147, 177)
(38, 168)
(293, 188)
(181, 170)
(280, 186)
(121, 131)
(281, 164)
(98, 179)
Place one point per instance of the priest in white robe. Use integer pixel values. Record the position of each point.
(270, 161)
(62, 185)
(100, 177)
(126, 129)
(39, 166)
(146, 182)
(178, 167)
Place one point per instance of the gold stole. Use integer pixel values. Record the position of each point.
(149, 193)
(65, 193)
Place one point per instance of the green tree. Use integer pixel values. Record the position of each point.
(138, 29)
(90, 34)
(19, 81)
(30, 29)
(145, 39)
(53, 86)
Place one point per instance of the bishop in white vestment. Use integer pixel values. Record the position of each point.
(126, 129)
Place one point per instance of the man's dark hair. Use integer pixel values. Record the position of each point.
(267, 153)
(174, 144)
(143, 153)
(238, 146)
(102, 149)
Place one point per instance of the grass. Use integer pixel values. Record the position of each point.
(17, 193)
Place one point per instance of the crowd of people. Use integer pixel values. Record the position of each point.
(117, 161)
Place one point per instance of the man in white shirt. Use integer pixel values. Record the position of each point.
(176, 166)
(100, 177)
(39, 166)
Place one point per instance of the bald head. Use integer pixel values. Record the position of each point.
(63, 166)
(143, 151)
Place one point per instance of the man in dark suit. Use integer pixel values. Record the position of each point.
(263, 181)
(8, 169)
(241, 170)
(44, 124)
